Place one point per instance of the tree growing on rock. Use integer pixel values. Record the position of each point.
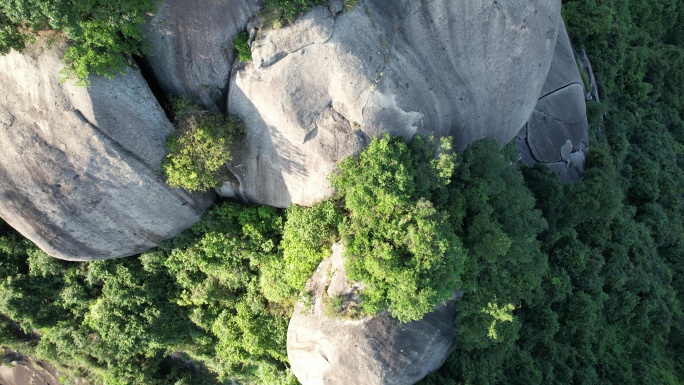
(399, 244)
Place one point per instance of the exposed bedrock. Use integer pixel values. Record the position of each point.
(557, 132)
(21, 370)
(318, 90)
(191, 46)
(378, 350)
(80, 167)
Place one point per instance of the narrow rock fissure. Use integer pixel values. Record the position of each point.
(550, 117)
(154, 85)
(332, 33)
(561, 88)
(527, 144)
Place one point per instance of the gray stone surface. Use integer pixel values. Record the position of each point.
(592, 93)
(371, 351)
(191, 46)
(564, 68)
(80, 168)
(23, 370)
(317, 91)
(557, 130)
(571, 169)
(557, 118)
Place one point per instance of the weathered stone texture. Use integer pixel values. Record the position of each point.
(80, 168)
(191, 46)
(318, 90)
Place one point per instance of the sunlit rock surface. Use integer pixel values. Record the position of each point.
(80, 167)
(318, 90)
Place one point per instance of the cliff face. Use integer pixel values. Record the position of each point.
(80, 167)
(557, 131)
(317, 91)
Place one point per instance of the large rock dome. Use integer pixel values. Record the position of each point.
(80, 167)
(317, 90)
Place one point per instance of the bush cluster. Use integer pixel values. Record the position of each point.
(104, 35)
(277, 12)
(242, 47)
(398, 243)
(199, 149)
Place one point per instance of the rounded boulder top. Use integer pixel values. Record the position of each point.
(318, 89)
(339, 349)
(80, 171)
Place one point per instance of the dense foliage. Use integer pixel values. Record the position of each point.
(198, 150)
(202, 294)
(104, 34)
(607, 307)
(398, 243)
(562, 284)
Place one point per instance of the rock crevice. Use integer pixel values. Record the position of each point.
(557, 131)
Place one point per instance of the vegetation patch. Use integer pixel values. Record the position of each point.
(398, 243)
(338, 307)
(104, 35)
(199, 149)
(278, 12)
(242, 47)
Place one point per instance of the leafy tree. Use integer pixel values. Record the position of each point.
(217, 267)
(104, 35)
(307, 239)
(199, 149)
(397, 243)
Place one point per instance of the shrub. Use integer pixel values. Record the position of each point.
(241, 44)
(308, 236)
(275, 12)
(199, 149)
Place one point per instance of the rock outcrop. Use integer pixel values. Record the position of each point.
(191, 46)
(323, 349)
(23, 370)
(317, 91)
(557, 132)
(80, 167)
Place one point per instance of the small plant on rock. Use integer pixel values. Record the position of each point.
(277, 12)
(199, 149)
(350, 4)
(241, 44)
